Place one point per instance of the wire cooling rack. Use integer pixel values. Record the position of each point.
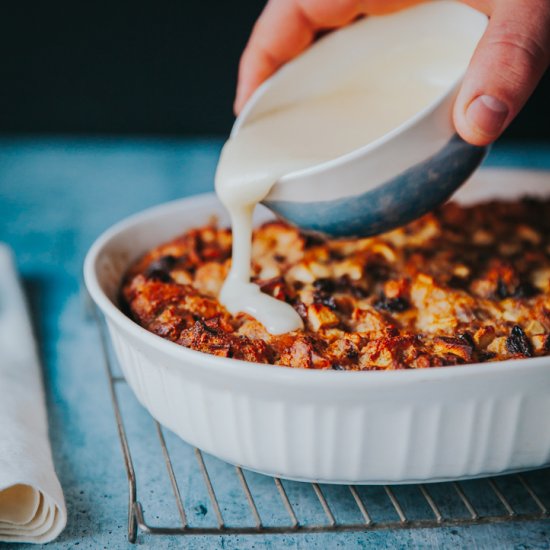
(219, 499)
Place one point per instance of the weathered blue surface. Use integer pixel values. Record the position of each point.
(396, 202)
(56, 196)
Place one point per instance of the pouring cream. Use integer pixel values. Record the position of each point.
(371, 98)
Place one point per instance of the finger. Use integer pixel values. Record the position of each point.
(507, 65)
(281, 32)
(287, 27)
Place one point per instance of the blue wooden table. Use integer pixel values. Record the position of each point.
(56, 196)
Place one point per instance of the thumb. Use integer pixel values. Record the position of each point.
(507, 65)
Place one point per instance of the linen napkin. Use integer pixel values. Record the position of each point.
(32, 508)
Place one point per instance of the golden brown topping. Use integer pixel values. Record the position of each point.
(460, 285)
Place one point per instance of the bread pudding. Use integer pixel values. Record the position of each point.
(460, 285)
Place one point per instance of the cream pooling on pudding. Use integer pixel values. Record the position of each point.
(372, 100)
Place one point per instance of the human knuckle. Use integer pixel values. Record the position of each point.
(520, 46)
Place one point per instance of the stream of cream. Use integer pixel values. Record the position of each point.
(314, 131)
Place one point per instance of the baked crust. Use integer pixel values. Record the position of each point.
(460, 285)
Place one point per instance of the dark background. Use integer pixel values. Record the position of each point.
(165, 68)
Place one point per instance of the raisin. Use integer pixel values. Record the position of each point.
(336, 255)
(160, 269)
(358, 292)
(313, 239)
(458, 283)
(345, 284)
(352, 353)
(159, 275)
(393, 305)
(518, 343)
(525, 290)
(467, 338)
(379, 272)
(501, 291)
(324, 285)
(325, 299)
(323, 292)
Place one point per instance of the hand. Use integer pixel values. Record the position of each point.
(507, 65)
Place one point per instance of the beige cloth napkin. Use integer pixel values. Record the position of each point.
(32, 508)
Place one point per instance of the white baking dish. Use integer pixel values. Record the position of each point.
(329, 426)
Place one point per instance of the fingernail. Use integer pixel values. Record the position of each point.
(488, 114)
